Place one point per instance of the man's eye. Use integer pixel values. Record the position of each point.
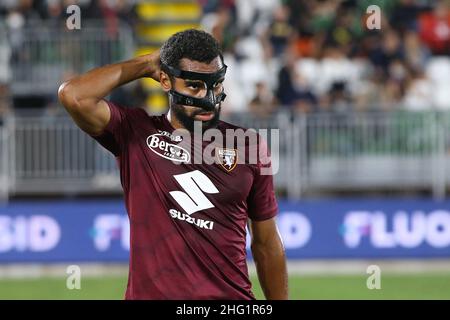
(193, 86)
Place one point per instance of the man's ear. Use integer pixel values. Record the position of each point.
(165, 81)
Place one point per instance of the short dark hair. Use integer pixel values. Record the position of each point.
(192, 44)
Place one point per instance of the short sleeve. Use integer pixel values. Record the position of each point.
(115, 134)
(261, 201)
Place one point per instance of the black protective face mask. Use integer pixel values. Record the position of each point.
(207, 103)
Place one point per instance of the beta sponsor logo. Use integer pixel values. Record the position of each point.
(204, 224)
(167, 149)
(172, 137)
(400, 230)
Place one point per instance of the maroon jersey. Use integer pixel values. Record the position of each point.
(187, 220)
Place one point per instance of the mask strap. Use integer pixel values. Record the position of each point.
(209, 78)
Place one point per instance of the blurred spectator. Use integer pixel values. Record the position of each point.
(211, 6)
(419, 93)
(304, 98)
(5, 104)
(220, 21)
(280, 32)
(416, 54)
(404, 15)
(53, 11)
(286, 94)
(263, 104)
(390, 95)
(294, 91)
(338, 99)
(5, 74)
(438, 72)
(435, 28)
(343, 32)
(389, 50)
(311, 55)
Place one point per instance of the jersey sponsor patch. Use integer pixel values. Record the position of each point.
(203, 224)
(167, 150)
(193, 199)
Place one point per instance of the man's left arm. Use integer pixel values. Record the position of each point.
(270, 259)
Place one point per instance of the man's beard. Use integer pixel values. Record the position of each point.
(188, 121)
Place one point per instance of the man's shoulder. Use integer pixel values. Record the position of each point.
(135, 114)
(229, 128)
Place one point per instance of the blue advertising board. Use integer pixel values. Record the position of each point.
(98, 231)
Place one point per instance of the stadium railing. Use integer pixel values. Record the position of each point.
(315, 152)
(45, 54)
(4, 164)
(376, 151)
(52, 154)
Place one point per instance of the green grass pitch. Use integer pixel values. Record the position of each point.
(410, 286)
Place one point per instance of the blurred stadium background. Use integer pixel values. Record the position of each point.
(364, 153)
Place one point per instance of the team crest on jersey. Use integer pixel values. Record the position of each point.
(227, 158)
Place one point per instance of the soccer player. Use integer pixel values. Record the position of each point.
(187, 220)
